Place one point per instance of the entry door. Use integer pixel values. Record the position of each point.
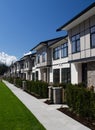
(84, 73)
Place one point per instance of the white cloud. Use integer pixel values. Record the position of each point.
(7, 59)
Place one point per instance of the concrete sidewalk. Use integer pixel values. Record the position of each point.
(51, 118)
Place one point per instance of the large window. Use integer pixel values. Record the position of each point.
(75, 43)
(56, 53)
(43, 57)
(64, 50)
(92, 37)
(36, 75)
(38, 58)
(56, 75)
(33, 76)
(66, 75)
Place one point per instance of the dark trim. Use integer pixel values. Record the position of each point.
(83, 60)
(63, 49)
(77, 16)
(51, 40)
(91, 37)
(37, 46)
(61, 38)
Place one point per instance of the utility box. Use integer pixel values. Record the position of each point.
(24, 85)
(57, 95)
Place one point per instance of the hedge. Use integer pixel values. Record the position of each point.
(81, 101)
(37, 87)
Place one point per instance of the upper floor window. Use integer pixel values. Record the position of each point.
(43, 57)
(92, 35)
(75, 43)
(56, 53)
(64, 50)
(38, 59)
(26, 65)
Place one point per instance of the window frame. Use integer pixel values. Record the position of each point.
(44, 57)
(74, 40)
(64, 49)
(65, 75)
(56, 76)
(38, 58)
(56, 53)
(91, 34)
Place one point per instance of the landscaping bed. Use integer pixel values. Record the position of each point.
(87, 122)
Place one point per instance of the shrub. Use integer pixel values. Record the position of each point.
(18, 82)
(37, 87)
(81, 101)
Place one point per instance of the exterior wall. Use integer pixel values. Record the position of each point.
(91, 73)
(47, 52)
(51, 75)
(86, 51)
(84, 30)
(43, 66)
(58, 63)
(76, 73)
(34, 70)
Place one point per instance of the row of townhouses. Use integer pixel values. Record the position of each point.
(67, 59)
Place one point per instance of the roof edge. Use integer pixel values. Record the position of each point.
(78, 15)
(45, 42)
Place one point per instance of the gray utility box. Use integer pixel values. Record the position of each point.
(57, 95)
(24, 85)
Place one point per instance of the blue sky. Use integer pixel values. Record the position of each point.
(25, 23)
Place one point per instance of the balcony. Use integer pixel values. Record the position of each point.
(44, 64)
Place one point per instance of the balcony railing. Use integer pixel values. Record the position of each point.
(46, 63)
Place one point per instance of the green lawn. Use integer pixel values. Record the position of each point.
(13, 114)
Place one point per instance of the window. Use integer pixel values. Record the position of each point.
(56, 75)
(33, 76)
(56, 53)
(66, 75)
(43, 57)
(38, 59)
(64, 50)
(36, 75)
(92, 36)
(76, 43)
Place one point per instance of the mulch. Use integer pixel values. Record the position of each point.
(87, 122)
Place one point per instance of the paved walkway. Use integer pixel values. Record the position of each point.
(51, 118)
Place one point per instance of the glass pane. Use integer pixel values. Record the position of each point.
(56, 75)
(78, 45)
(73, 47)
(93, 40)
(93, 29)
(62, 46)
(62, 51)
(77, 36)
(65, 75)
(73, 38)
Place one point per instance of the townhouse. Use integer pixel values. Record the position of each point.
(81, 46)
(52, 61)
(70, 58)
(23, 67)
(60, 71)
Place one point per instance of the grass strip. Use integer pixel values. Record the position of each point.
(13, 114)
